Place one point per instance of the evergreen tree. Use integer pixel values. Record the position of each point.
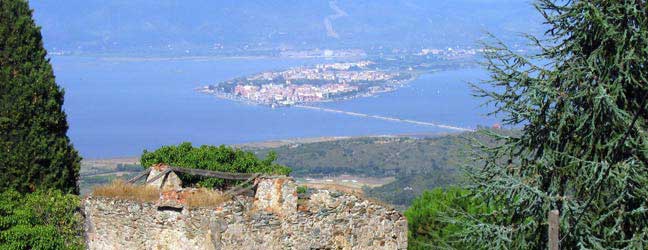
(581, 104)
(35, 151)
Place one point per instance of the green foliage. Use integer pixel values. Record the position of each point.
(39, 220)
(425, 218)
(417, 163)
(583, 150)
(302, 189)
(35, 151)
(373, 156)
(222, 158)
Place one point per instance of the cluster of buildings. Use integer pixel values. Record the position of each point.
(309, 84)
(344, 66)
(289, 94)
(334, 72)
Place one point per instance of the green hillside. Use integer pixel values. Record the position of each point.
(373, 156)
(418, 163)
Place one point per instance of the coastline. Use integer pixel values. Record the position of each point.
(391, 87)
(284, 142)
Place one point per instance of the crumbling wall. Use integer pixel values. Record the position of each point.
(271, 220)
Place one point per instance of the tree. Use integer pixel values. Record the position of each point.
(222, 158)
(427, 226)
(583, 149)
(40, 220)
(35, 151)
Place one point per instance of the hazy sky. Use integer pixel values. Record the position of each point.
(88, 25)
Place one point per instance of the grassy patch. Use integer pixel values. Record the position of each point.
(119, 189)
(204, 197)
(122, 190)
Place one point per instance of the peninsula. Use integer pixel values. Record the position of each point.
(339, 80)
(322, 82)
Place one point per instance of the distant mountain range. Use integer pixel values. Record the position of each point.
(213, 26)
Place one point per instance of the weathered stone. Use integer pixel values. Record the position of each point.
(121, 224)
(170, 181)
(277, 195)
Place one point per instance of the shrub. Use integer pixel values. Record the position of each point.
(40, 220)
(222, 158)
(302, 189)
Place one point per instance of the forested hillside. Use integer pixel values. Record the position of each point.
(373, 156)
(418, 164)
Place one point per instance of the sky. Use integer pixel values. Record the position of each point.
(162, 26)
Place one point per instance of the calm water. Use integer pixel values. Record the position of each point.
(120, 107)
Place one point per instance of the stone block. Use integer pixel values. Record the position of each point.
(276, 195)
(169, 182)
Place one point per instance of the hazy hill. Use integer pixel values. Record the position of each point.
(205, 25)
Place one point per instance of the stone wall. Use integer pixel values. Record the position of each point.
(274, 219)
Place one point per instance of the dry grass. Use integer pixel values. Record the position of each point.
(204, 197)
(122, 190)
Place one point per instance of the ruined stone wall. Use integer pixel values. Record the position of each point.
(274, 219)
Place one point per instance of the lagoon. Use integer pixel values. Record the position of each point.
(118, 106)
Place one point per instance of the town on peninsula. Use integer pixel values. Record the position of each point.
(334, 81)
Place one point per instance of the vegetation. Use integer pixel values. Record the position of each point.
(302, 189)
(123, 190)
(213, 158)
(40, 220)
(373, 156)
(39, 167)
(35, 151)
(427, 228)
(417, 163)
(88, 182)
(120, 189)
(103, 172)
(204, 197)
(582, 149)
(406, 188)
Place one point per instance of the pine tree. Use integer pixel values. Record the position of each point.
(580, 103)
(35, 151)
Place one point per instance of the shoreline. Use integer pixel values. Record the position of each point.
(287, 141)
(391, 87)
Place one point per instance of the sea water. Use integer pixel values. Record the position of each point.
(121, 106)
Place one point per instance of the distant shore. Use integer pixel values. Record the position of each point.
(279, 143)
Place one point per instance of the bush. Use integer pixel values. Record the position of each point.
(302, 189)
(222, 158)
(40, 220)
(428, 222)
